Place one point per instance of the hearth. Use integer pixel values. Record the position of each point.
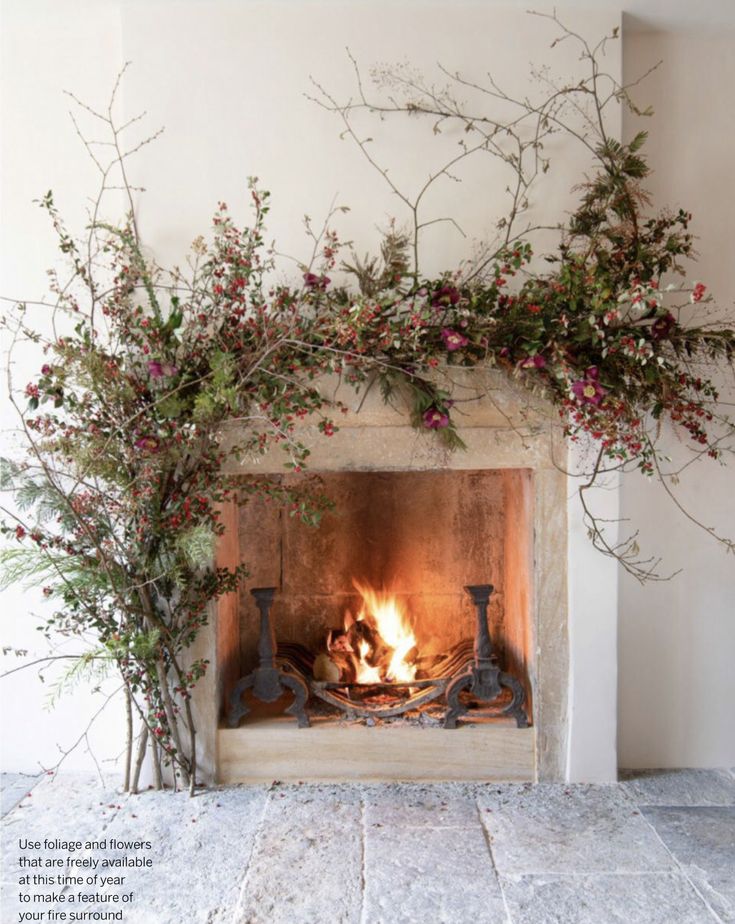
(377, 671)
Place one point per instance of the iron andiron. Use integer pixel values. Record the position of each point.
(268, 681)
(482, 677)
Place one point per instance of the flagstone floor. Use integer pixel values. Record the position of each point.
(657, 848)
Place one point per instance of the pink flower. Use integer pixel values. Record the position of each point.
(588, 390)
(434, 419)
(158, 370)
(147, 443)
(698, 291)
(661, 327)
(533, 362)
(445, 297)
(312, 281)
(453, 340)
(45, 369)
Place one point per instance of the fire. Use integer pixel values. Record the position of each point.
(388, 644)
(366, 673)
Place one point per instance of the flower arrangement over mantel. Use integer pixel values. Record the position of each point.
(140, 369)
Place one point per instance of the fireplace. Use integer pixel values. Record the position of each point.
(378, 614)
(430, 530)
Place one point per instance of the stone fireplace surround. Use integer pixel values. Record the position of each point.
(505, 430)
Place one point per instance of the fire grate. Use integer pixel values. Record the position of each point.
(470, 671)
(355, 698)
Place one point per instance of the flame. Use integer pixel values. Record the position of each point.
(382, 612)
(365, 673)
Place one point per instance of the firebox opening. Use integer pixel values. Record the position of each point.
(372, 607)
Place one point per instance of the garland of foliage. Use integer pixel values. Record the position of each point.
(118, 498)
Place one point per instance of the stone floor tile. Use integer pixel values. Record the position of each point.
(180, 829)
(66, 807)
(604, 898)
(401, 853)
(212, 835)
(440, 875)
(14, 787)
(440, 805)
(307, 861)
(302, 797)
(679, 787)
(702, 839)
(550, 828)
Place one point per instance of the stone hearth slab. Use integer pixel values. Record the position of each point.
(331, 752)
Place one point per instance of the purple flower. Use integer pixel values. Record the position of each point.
(533, 362)
(453, 340)
(147, 444)
(445, 297)
(45, 369)
(158, 370)
(313, 281)
(661, 327)
(588, 390)
(435, 419)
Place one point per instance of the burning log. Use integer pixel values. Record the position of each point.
(375, 647)
(325, 669)
(339, 662)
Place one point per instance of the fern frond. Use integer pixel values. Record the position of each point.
(197, 546)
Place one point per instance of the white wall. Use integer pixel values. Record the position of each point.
(44, 47)
(593, 629)
(226, 79)
(677, 639)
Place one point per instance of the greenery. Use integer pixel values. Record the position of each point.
(152, 381)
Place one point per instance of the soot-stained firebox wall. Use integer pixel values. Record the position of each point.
(421, 535)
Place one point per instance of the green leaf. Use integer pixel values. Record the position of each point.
(174, 319)
(222, 368)
(635, 167)
(170, 406)
(637, 143)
